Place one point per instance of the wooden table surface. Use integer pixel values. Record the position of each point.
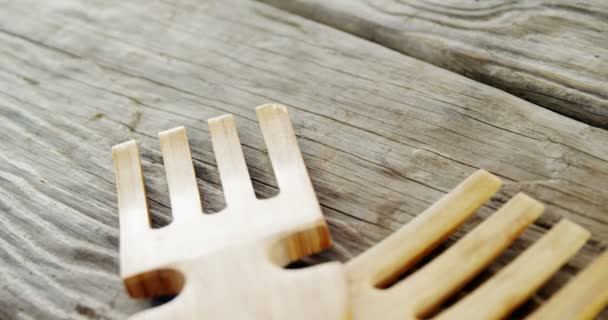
(383, 134)
(551, 52)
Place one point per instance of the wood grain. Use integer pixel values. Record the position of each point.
(553, 53)
(382, 135)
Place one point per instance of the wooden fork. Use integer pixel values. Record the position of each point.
(228, 265)
(421, 293)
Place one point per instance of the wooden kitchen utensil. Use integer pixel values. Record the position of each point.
(582, 298)
(421, 293)
(228, 265)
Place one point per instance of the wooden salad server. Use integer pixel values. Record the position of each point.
(419, 295)
(228, 265)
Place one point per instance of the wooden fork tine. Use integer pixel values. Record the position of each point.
(181, 180)
(213, 262)
(391, 257)
(132, 204)
(520, 279)
(582, 298)
(287, 162)
(230, 161)
(447, 273)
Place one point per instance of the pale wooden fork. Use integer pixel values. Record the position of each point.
(228, 265)
(421, 293)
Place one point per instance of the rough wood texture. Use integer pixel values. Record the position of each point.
(237, 255)
(383, 136)
(553, 53)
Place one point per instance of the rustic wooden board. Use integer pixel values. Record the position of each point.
(383, 135)
(553, 53)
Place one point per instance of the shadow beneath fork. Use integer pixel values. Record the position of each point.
(160, 300)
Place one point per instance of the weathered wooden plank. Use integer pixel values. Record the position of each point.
(383, 135)
(552, 53)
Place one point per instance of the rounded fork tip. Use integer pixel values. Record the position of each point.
(271, 106)
(172, 131)
(221, 118)
(531, 202)
(566, 224)
(123, 146)
(484, 174)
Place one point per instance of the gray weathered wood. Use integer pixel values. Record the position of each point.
(383, 135)
(553, 53)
